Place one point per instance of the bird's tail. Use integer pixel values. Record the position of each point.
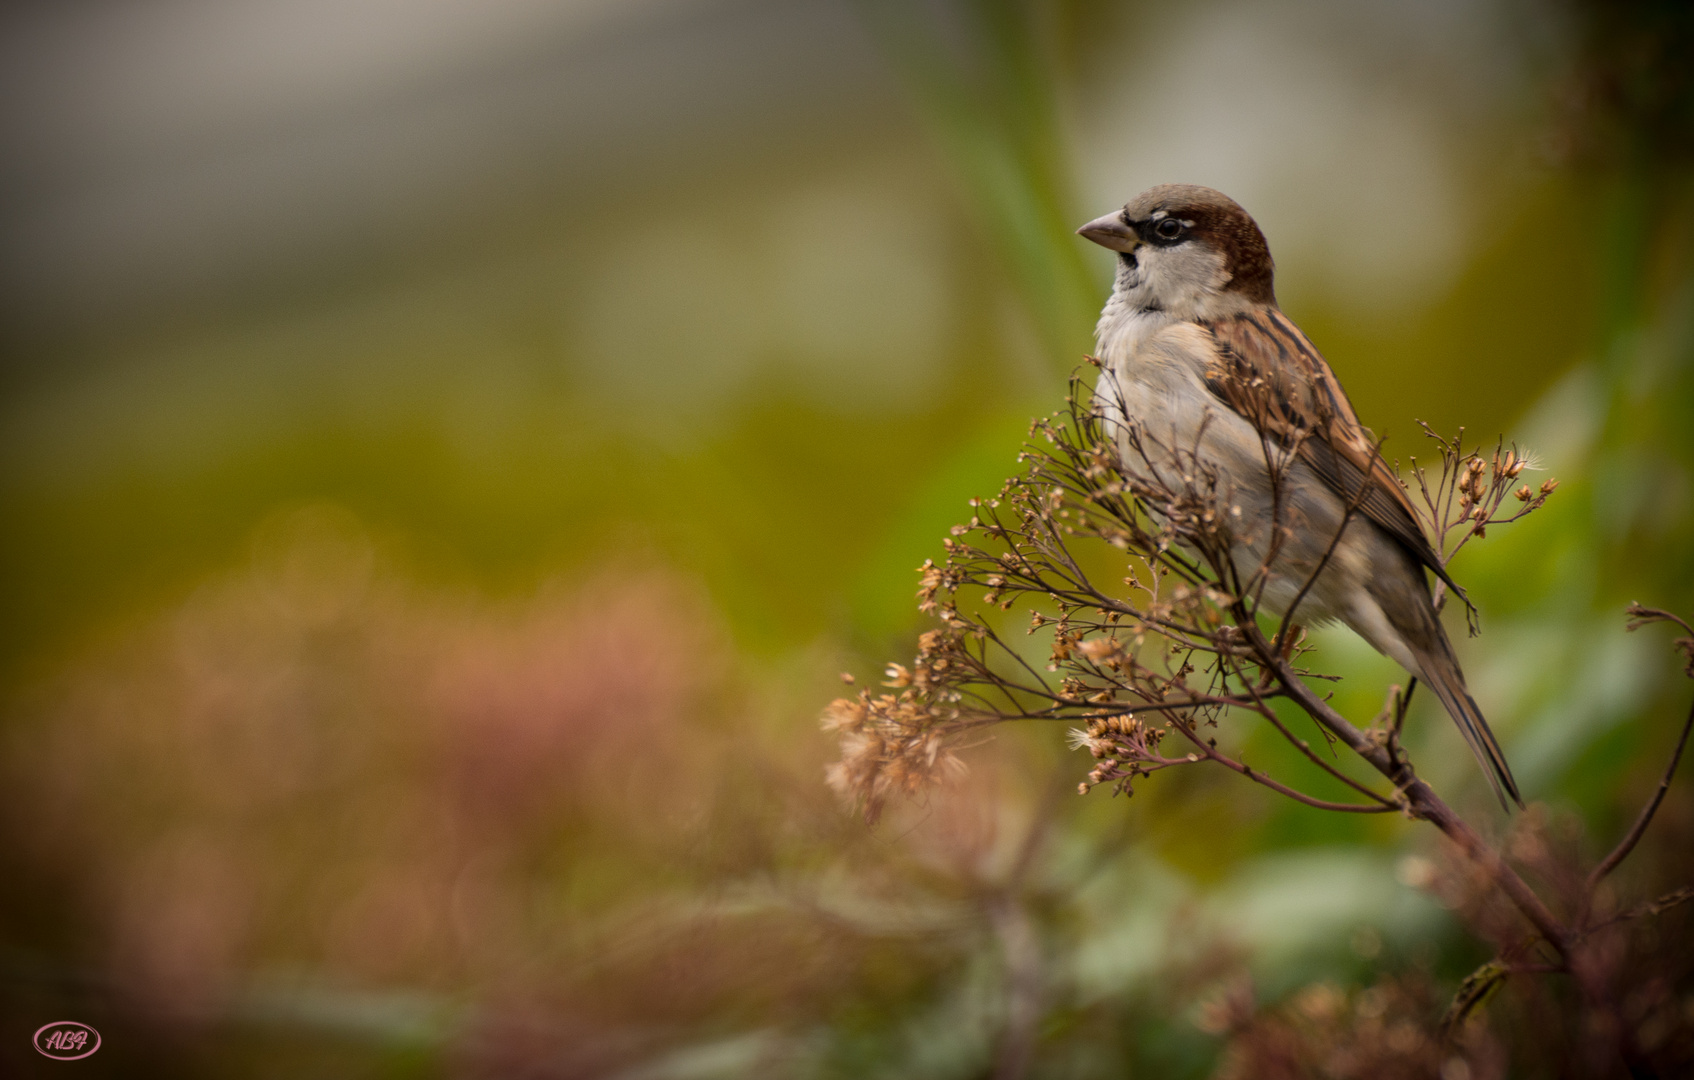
(1441, 672)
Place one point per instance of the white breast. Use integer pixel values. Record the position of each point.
(1154, 377)
(1123, 328)
(1153, 390)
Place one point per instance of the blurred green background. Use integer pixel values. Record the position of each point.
(450, 451)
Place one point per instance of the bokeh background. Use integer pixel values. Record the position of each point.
(452, 449)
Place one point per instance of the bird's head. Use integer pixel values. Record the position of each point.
(1188, 250)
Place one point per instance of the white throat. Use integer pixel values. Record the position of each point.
(1157, 287)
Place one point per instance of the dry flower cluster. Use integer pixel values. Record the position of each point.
(1381, 1031)
(1143, 632)
(1145, 647)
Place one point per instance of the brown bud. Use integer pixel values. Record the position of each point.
(1548, 485)
(1523, 493)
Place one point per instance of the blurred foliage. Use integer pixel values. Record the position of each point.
(390, 691)
(984, 75)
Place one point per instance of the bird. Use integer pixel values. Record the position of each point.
(1197, 359)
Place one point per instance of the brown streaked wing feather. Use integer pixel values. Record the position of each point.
(1268, 372)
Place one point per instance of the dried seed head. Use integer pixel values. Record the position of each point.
(1100, 648)
(845, 714)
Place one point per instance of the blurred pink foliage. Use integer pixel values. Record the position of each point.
(312, 763)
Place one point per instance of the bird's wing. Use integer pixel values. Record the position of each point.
(1265, 370)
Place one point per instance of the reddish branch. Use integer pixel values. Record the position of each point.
(1421, 800)
(1641, 616)
(1180, 645)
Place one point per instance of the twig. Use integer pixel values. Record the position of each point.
(1209, 753)
(1353, 505)
(1645, 818)
(1655, 907)
(1305, 748)
(1423, 802)
(1400, 707)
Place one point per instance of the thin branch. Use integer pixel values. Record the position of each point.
(1656, 907)
(1108, 479)
(1400, 707)
(1645, 818)
(1423, 802)
(1210, 753)
(1353, 505)
(1306, 748)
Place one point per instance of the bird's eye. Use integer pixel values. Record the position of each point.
(1168, 229)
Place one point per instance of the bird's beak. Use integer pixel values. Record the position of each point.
(1111, 232)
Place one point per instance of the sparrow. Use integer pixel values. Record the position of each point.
(1198, 362)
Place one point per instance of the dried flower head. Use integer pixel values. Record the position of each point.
(1141, 629)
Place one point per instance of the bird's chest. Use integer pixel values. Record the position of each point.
(1154, 376)
(1153, 391)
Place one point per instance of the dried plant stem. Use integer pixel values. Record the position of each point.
(1209, 753)
(1025, 985)
(1169, 654)
(1430, 807)
(1167, 650)
(1645, 818)
(1311, 755)
(1421, 800)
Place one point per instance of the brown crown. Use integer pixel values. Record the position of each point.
(1219, 221)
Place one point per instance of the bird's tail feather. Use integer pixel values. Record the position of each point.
(1441, 672)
